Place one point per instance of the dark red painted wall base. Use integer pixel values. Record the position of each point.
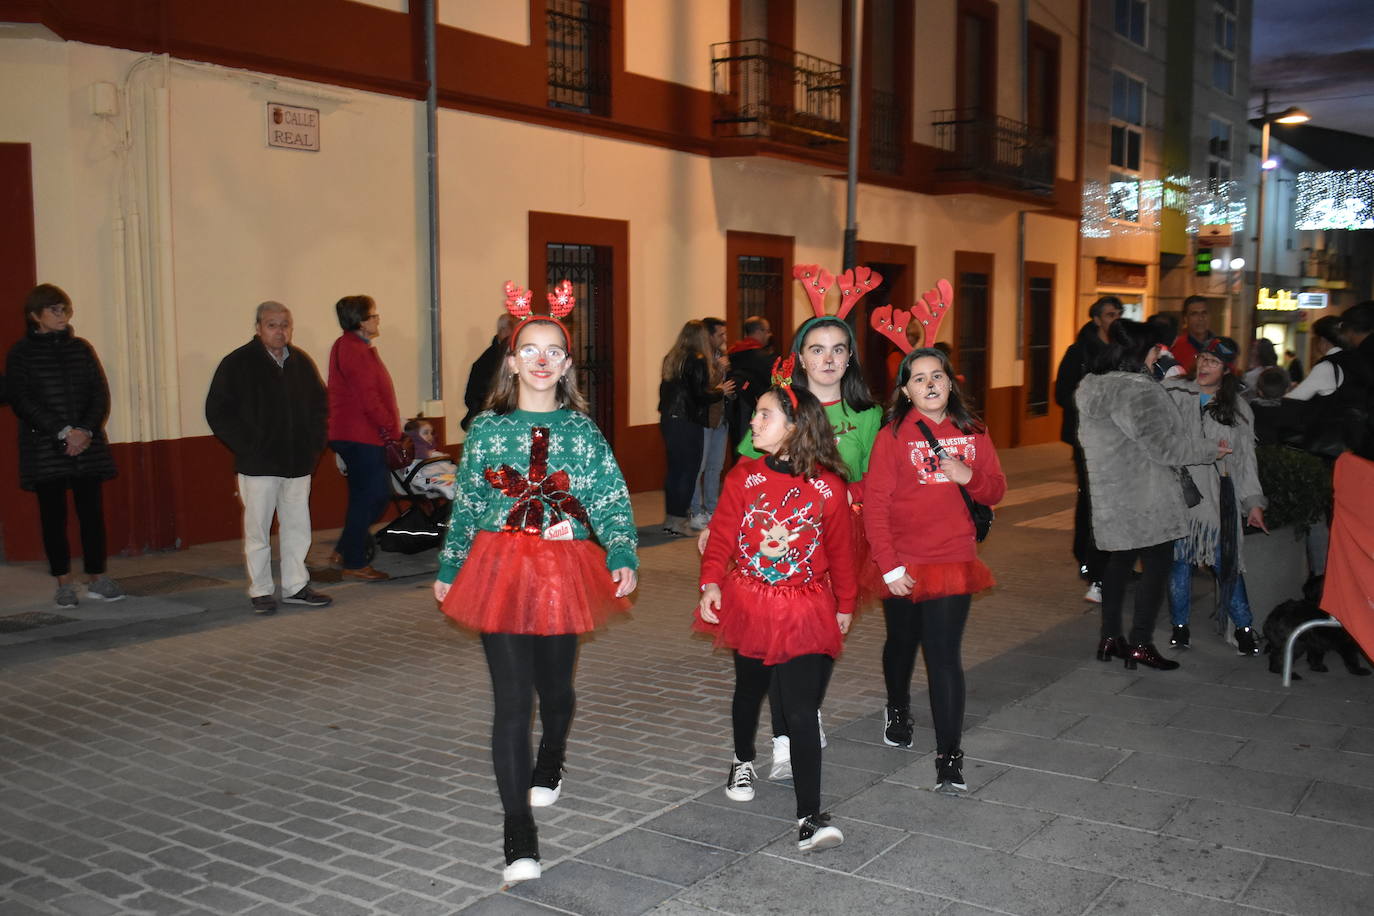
(169, 494)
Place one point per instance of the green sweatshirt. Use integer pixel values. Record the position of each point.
(495, 470)
(854, 435)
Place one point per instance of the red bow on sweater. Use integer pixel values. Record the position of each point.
(540, 488)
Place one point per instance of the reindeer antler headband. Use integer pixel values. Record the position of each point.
(854, 283)
(561, 302)
(930, 310)
(782, 376)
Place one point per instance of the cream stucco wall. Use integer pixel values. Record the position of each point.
(247, 223)
(674, 44)
(508, 20)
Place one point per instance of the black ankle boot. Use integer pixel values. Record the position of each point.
(1112, 647)
(1147, 655)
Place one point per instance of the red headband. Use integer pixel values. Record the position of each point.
(782, 376)
(561, 302)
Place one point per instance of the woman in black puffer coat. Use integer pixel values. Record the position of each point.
(58, 390)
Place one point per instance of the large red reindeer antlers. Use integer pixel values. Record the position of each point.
(930, 311)
(561, 300)
(854, 285)
(816, 280)
(892, 324)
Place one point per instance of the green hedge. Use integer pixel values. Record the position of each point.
(1297, 485)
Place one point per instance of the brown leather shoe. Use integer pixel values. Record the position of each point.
(367, 574)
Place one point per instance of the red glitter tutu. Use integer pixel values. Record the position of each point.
(872, 588)
(520, 583)
(940, 580)
(774, 622)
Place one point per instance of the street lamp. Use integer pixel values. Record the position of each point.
(1290, 115)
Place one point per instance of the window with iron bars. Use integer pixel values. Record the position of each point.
(579, 35)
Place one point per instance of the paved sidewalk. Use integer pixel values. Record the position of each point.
(335, 762)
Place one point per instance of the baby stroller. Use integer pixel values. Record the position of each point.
(422, 507)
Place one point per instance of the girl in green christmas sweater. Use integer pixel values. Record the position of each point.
(537, 482)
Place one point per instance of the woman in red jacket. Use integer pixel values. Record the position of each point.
(931, 567)
(362, 417)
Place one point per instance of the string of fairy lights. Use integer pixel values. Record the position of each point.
(1128, 206)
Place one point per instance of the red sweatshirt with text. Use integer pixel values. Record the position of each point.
(913, 513)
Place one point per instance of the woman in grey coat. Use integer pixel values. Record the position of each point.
(1134, 440)
(1231, 493)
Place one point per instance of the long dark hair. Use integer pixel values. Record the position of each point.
(1222, 405)
(505, 391)
(1128, 344)
(853, 389)
(899, 405)
(810, 446)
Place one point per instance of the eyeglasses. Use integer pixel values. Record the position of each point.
(59, 309)
(554, 356)
(373, 315)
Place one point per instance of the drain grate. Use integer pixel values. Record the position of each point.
(164, 583)
(31, 620)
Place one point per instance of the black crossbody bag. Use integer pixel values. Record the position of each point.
(982, 515)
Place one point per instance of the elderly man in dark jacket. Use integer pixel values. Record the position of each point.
(269, 406)
(1078, 361)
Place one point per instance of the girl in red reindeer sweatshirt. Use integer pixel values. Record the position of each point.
(784, 520)
(923, 540)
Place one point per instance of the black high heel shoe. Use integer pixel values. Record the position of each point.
(1112, 647)
(1147, 655)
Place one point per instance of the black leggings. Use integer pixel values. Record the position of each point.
(775, 711)
(1149, 591)
(938, 623)
(52, 516)
(521, 665)
(800, 682)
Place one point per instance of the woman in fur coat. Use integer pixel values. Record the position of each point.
(1134, 441)
(1231, 494)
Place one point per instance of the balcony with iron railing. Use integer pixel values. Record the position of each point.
(766, 91)
(974, 146)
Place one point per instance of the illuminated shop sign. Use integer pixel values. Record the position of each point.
(1280, 300)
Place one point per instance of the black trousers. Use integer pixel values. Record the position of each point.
(801, 681)
(938, 625)
(1090, 560)
(1149, 591)
(521, 666)
(90, 513)
(684, 442)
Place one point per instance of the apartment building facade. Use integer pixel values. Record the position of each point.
(673, 159)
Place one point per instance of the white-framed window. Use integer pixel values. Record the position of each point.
(1130, 20)
(1128, 121)
(1218, 150)
(1224, 46)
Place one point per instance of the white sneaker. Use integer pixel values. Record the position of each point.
(521, 870)
(782, 758)
(1094, 593)
(699, 521)
(820, 728)
(815, 833)
(740, 788)
(543, 797)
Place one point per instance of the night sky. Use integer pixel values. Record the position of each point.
(1318, 54)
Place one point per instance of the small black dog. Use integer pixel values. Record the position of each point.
(1314, 643)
